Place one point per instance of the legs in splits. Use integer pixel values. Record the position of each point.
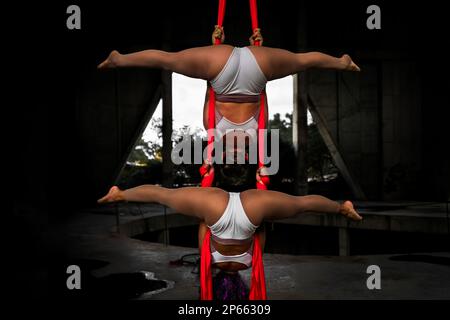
(209, 204)
(206, 62)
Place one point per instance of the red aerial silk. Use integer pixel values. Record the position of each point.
(265, 180)
(206, 289)
(220, 16)
(208, 180)
(254, 17)
(262, 185)
(257, 284)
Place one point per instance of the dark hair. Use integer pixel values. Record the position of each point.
(229, 286)
(235, 177)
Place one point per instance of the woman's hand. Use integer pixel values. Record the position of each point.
(114, 195)
(112, 61)
(348, 211)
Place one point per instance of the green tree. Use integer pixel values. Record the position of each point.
(285, 126)
(144, 165)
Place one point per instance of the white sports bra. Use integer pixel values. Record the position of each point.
(241, 75)
(234, 223)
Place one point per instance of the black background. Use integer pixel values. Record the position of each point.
(44, 61)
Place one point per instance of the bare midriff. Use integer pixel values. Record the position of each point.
(237, 112)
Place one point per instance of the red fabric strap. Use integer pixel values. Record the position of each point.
(220, 16)
(206, 289)
(258, 282)
(211, 122)
(207, 181)
(262, 185)
(221, 12)
(254, 16)
(265, 180)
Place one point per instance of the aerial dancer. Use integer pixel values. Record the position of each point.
(231, 221)
(238, 75)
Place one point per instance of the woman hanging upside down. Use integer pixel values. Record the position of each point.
(231, 220)
(237, 75)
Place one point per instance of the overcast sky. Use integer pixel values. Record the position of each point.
(188, 96)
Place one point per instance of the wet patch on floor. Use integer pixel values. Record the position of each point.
(138, 285)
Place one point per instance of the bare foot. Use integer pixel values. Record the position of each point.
(111, 62)
(114, 195)
(348, 211)
(348, 63)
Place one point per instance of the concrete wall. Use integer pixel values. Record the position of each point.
(112, 110)
(375, 120)
(402, 130)
(350, 104)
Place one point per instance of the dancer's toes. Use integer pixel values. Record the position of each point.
(349, 64)
(111, 62)
(114, 194)
(349, 211)
(354, 67)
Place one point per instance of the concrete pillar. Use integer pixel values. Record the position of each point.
(344, 242)
(164, 236)
(300, 133)
(300, 114)
(118, 114)
(167, 166)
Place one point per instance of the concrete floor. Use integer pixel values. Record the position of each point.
(91, 236)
